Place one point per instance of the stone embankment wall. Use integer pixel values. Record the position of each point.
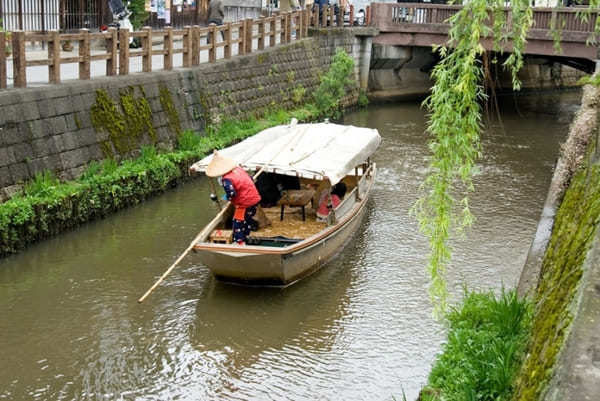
(563, 273)
(61, 128)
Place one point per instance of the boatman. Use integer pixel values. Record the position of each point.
(240, 191)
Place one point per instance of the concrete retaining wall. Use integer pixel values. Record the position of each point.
(51, 128)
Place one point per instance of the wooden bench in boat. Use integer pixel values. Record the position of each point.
(296, 198)
(220, 236)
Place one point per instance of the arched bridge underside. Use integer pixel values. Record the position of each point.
(424, 25)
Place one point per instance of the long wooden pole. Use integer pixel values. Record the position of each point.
(188, 249)
(202, 233)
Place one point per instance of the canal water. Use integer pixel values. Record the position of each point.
(359, 329)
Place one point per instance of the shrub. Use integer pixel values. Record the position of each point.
(486, 338)
(333, 84)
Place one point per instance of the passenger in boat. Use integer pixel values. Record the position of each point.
(240, 191)
(337, 194)
(271, 186)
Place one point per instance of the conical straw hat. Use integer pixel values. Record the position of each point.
(219, 165)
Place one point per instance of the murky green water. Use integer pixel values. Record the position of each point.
(360, 329)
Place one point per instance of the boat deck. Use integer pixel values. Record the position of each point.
(292, 225)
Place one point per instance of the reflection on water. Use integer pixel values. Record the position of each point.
(359, 329)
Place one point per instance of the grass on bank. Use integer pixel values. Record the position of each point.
(486, 338)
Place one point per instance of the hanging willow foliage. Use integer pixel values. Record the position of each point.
(455, 125)
(455, 107)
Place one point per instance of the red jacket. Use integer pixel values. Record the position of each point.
(323, 210)
(247, 195)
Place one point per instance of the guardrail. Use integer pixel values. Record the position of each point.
(240, 38)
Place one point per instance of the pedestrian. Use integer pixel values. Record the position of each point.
(216, 12)
(240, 191)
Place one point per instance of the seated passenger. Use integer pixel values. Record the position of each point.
(337, 194)
(271, 185)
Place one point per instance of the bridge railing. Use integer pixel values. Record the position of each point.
(409, 16)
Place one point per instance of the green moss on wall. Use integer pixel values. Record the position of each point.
(125, 124)
(166, 100)
(77, 122)
(575, 226)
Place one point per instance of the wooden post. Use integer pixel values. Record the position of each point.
(187, 47)
(168, 48)
(248, 34)
(19, 61)
(196, 45)
(351, 15)
(283, 27)
(242, 37)
(299, 24)
(147, 50)
(331, 16)
(340, 17)
(227, 49)
(368, 16)
(288, 27)
(112, 46)
(84, 54)
(307, 18)
(212, 52)
(324, 12)
(273, 32)
(261, 34)
(316, 21)
(123, 51)
(3, 60)
(54, 56)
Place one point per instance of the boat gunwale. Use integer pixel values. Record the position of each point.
(259, 250)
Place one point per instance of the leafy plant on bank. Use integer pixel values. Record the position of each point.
(333, 84)
(487, 336)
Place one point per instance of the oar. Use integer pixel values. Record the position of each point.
(202, 233)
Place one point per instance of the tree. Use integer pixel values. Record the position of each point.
(139, 15)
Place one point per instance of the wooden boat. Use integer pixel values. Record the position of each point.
(295, 244)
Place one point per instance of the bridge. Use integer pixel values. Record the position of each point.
(423, 25)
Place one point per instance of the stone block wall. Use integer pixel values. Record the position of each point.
(53, 128)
